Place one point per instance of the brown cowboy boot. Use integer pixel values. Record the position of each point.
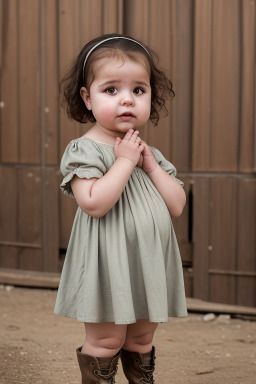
(101, 370)
(138, 367)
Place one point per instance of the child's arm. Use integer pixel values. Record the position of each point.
(97, 196)
(170, 190)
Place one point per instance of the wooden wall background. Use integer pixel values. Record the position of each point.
(208, 47)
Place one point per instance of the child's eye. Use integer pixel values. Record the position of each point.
(111, 91)
(138, 91)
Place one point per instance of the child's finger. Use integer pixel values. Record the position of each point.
(146, 147)
(144, 142)
(134, 136)
(117, 142)
(141, 148)
(138, 140)
(128, 134)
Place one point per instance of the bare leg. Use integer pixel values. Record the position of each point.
(103, 339)
(139, 336)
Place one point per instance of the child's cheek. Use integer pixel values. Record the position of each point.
(107, 113)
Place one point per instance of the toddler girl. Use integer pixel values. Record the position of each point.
(122, 273)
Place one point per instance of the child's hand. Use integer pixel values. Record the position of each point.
(129, 148)
(140, 162)
(149, 162)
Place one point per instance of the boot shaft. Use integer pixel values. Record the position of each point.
(135, 369)
(91, 370)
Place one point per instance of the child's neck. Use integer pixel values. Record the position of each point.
(103, 135)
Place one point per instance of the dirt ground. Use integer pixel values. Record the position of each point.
(38, 347)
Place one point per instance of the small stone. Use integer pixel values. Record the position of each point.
(223, 318)
(209, 317)
(13, 327)
(204, 371)
(9, 288)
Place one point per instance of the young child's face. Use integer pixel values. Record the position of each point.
(119, 96)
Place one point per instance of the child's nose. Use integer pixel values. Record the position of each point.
(127, 99)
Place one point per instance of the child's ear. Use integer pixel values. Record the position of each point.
(86, 98)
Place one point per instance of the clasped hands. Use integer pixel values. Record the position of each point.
(137, 151)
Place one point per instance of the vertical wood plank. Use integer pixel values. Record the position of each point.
(50, 206)
(225, 85)
(246, 224)
(49, 136)
(201, 220)
(188, 281)
(1, 34)
(246, 241)
(8, 257)
(136, 22)
(91, 20)
(248, 58)
(50, 102)
(223, 203)
(9, 83)
(246, 288)
(181, 76)
(8, 216)
(29, 81)
(29, 205)
(30, 259)
(113, 16)
(202, 85)
(222, 289)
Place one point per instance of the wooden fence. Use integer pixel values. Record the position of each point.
(208, 47)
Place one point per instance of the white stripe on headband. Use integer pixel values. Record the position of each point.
(110, 38)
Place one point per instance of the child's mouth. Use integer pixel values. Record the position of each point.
(126, 116)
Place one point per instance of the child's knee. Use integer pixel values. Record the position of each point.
(105, 337)
(140, 339)
(140, 334)
(111, 342)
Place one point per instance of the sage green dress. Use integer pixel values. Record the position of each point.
(126, 265)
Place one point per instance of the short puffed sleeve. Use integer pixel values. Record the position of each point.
(166, 165)
(81, 158)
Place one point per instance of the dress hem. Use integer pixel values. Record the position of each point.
(86, 320)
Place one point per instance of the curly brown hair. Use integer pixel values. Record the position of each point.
(78, 77)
